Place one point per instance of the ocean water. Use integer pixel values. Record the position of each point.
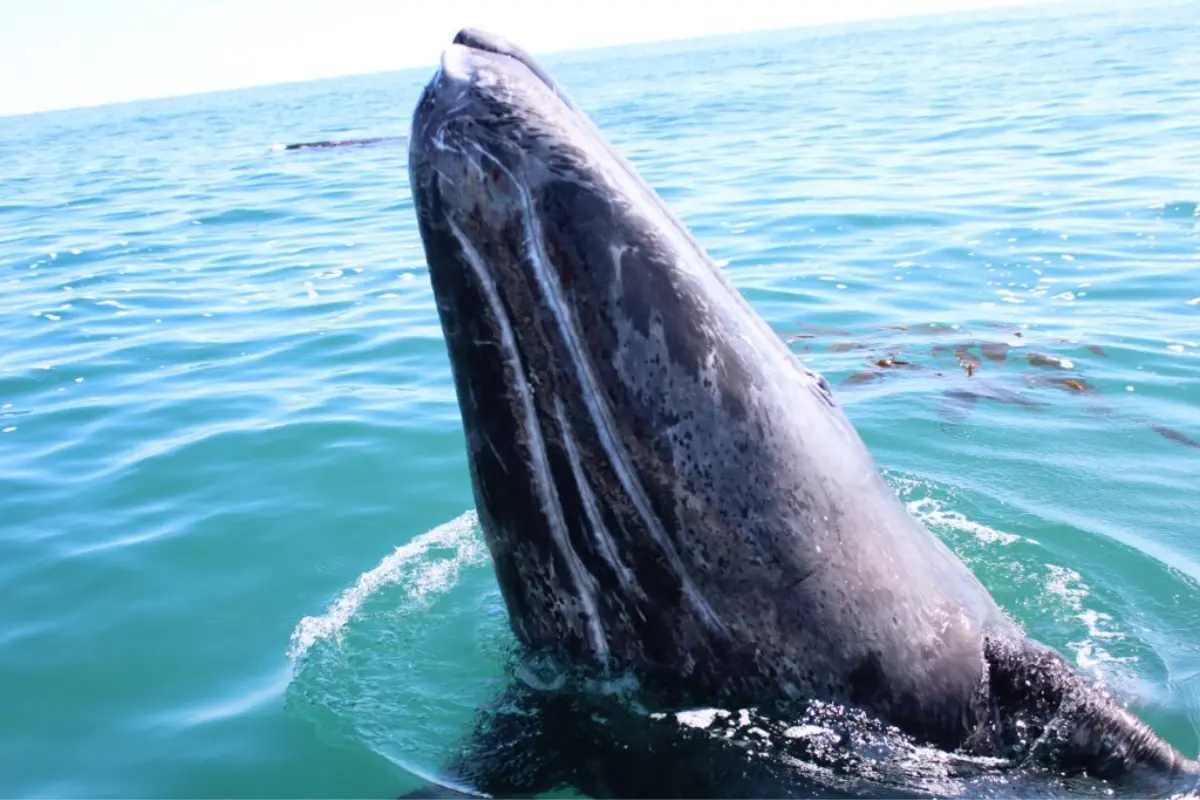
(238, 556)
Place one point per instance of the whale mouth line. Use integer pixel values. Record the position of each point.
(599, 410)
(547, 493)
(457, 146)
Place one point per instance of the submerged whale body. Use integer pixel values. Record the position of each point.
(668, 493)
(331, 143)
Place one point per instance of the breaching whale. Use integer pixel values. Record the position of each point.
(668, 493)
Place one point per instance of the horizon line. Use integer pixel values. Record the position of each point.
(996, 5)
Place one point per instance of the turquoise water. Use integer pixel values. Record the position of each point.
(225, 400)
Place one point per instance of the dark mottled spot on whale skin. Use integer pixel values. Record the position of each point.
(569, 213)
(868, 684)
(649, 292)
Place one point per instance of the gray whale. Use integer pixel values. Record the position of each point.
(667, 492)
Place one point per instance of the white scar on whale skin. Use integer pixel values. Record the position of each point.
(546, 491)
(601, 415)
(600, 534)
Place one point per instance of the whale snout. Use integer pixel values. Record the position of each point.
(460, 71)
(483, 74)
(462, 65)
(484, 42)
(483, 83)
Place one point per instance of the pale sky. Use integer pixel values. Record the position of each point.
(70, 53)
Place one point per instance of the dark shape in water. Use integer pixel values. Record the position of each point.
(1174, 435)
(859, 378)
(958, 403)
(995, 351)
(965, 399)
(344, 143)
(1054, 362)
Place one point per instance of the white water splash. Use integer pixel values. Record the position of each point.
(818, 743)
(700, 717)
(408, 563)
(935, 515)
(807, 731)
(1068, 585)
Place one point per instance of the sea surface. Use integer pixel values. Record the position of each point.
(238, 556)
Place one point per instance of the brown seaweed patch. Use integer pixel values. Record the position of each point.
(967, 360)
(1067, 384)
(1043, 360)
(892, 362)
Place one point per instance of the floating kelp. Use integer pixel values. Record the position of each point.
(1056, 362)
